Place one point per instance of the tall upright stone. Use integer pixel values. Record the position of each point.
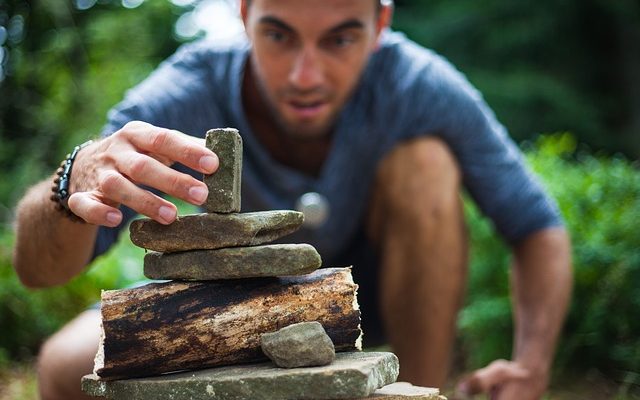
(224, 184)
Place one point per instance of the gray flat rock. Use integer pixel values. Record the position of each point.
(305, 344)
(405, 391)
(214, 231)
(351, 375)
(224, 184)
(233, 263)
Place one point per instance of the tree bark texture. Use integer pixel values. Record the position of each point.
(172, 326)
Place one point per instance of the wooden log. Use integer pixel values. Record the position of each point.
(165, 327)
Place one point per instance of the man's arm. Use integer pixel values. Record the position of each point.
(542, 282)
(50, 249)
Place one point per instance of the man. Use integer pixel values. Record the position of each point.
(328, 102)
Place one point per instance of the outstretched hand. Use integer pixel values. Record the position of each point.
(107, 173)
(503, 380)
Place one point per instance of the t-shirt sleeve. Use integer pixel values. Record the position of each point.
(493, 169)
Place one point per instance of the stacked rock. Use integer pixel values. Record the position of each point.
(155, 329)
(224, 243)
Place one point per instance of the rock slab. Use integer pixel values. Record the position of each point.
(224, 184)
(351, 375)
(405, 391)
(305, 344)
(214, 231)
(233, 263)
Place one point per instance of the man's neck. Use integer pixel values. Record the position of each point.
(304, 155)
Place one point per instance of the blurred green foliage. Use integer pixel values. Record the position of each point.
(64, 69)
(600, 200)
(28, 316)
(544, 66)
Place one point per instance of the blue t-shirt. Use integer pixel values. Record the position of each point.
(405, 91)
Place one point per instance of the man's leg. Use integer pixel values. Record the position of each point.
(417, 223)
(68, 355)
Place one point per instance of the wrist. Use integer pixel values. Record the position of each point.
(62, 182)
(537, 368)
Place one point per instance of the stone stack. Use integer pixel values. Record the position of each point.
(240, 288)
(224, 243)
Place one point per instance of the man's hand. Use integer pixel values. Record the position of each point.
(503, 380)
(107, 173)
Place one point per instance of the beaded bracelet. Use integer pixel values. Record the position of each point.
(61, 182)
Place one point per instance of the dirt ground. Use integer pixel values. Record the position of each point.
(18, 382)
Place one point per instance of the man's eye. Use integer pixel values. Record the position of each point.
(276, 36)
(340, 41)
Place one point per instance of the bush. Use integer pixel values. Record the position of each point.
(600, 200)
(27, 317)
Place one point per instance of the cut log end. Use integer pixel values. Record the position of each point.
(98, 362)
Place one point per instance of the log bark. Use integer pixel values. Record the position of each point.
(172, 326)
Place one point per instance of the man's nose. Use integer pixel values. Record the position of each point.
(307, 72)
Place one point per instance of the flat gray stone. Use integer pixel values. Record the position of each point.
(351, 375)
(305, 344)
(405, 391)
(214, 231)
(233, 263)
(224, 184)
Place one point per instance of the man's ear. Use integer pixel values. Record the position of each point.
(243, 11)
(384, 20)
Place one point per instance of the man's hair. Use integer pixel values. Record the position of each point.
(380, 3)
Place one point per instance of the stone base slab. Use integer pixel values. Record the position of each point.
(405, 391)
(351, 375)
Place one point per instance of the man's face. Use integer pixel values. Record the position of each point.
(308, 55)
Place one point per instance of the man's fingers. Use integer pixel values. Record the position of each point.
(145, 170)
(496, 373)
(93, 211)
(119, 189)
(139, 153)
(173, 145)
(94, 207)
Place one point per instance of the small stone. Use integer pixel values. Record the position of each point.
(404, 391)
(214, 231)
(233, 263)
(224, 184)
(305, 344)
(351, 375)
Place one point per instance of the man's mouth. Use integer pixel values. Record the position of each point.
(307, 109)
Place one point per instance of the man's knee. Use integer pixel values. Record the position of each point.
(68, 355)
(419, 179)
